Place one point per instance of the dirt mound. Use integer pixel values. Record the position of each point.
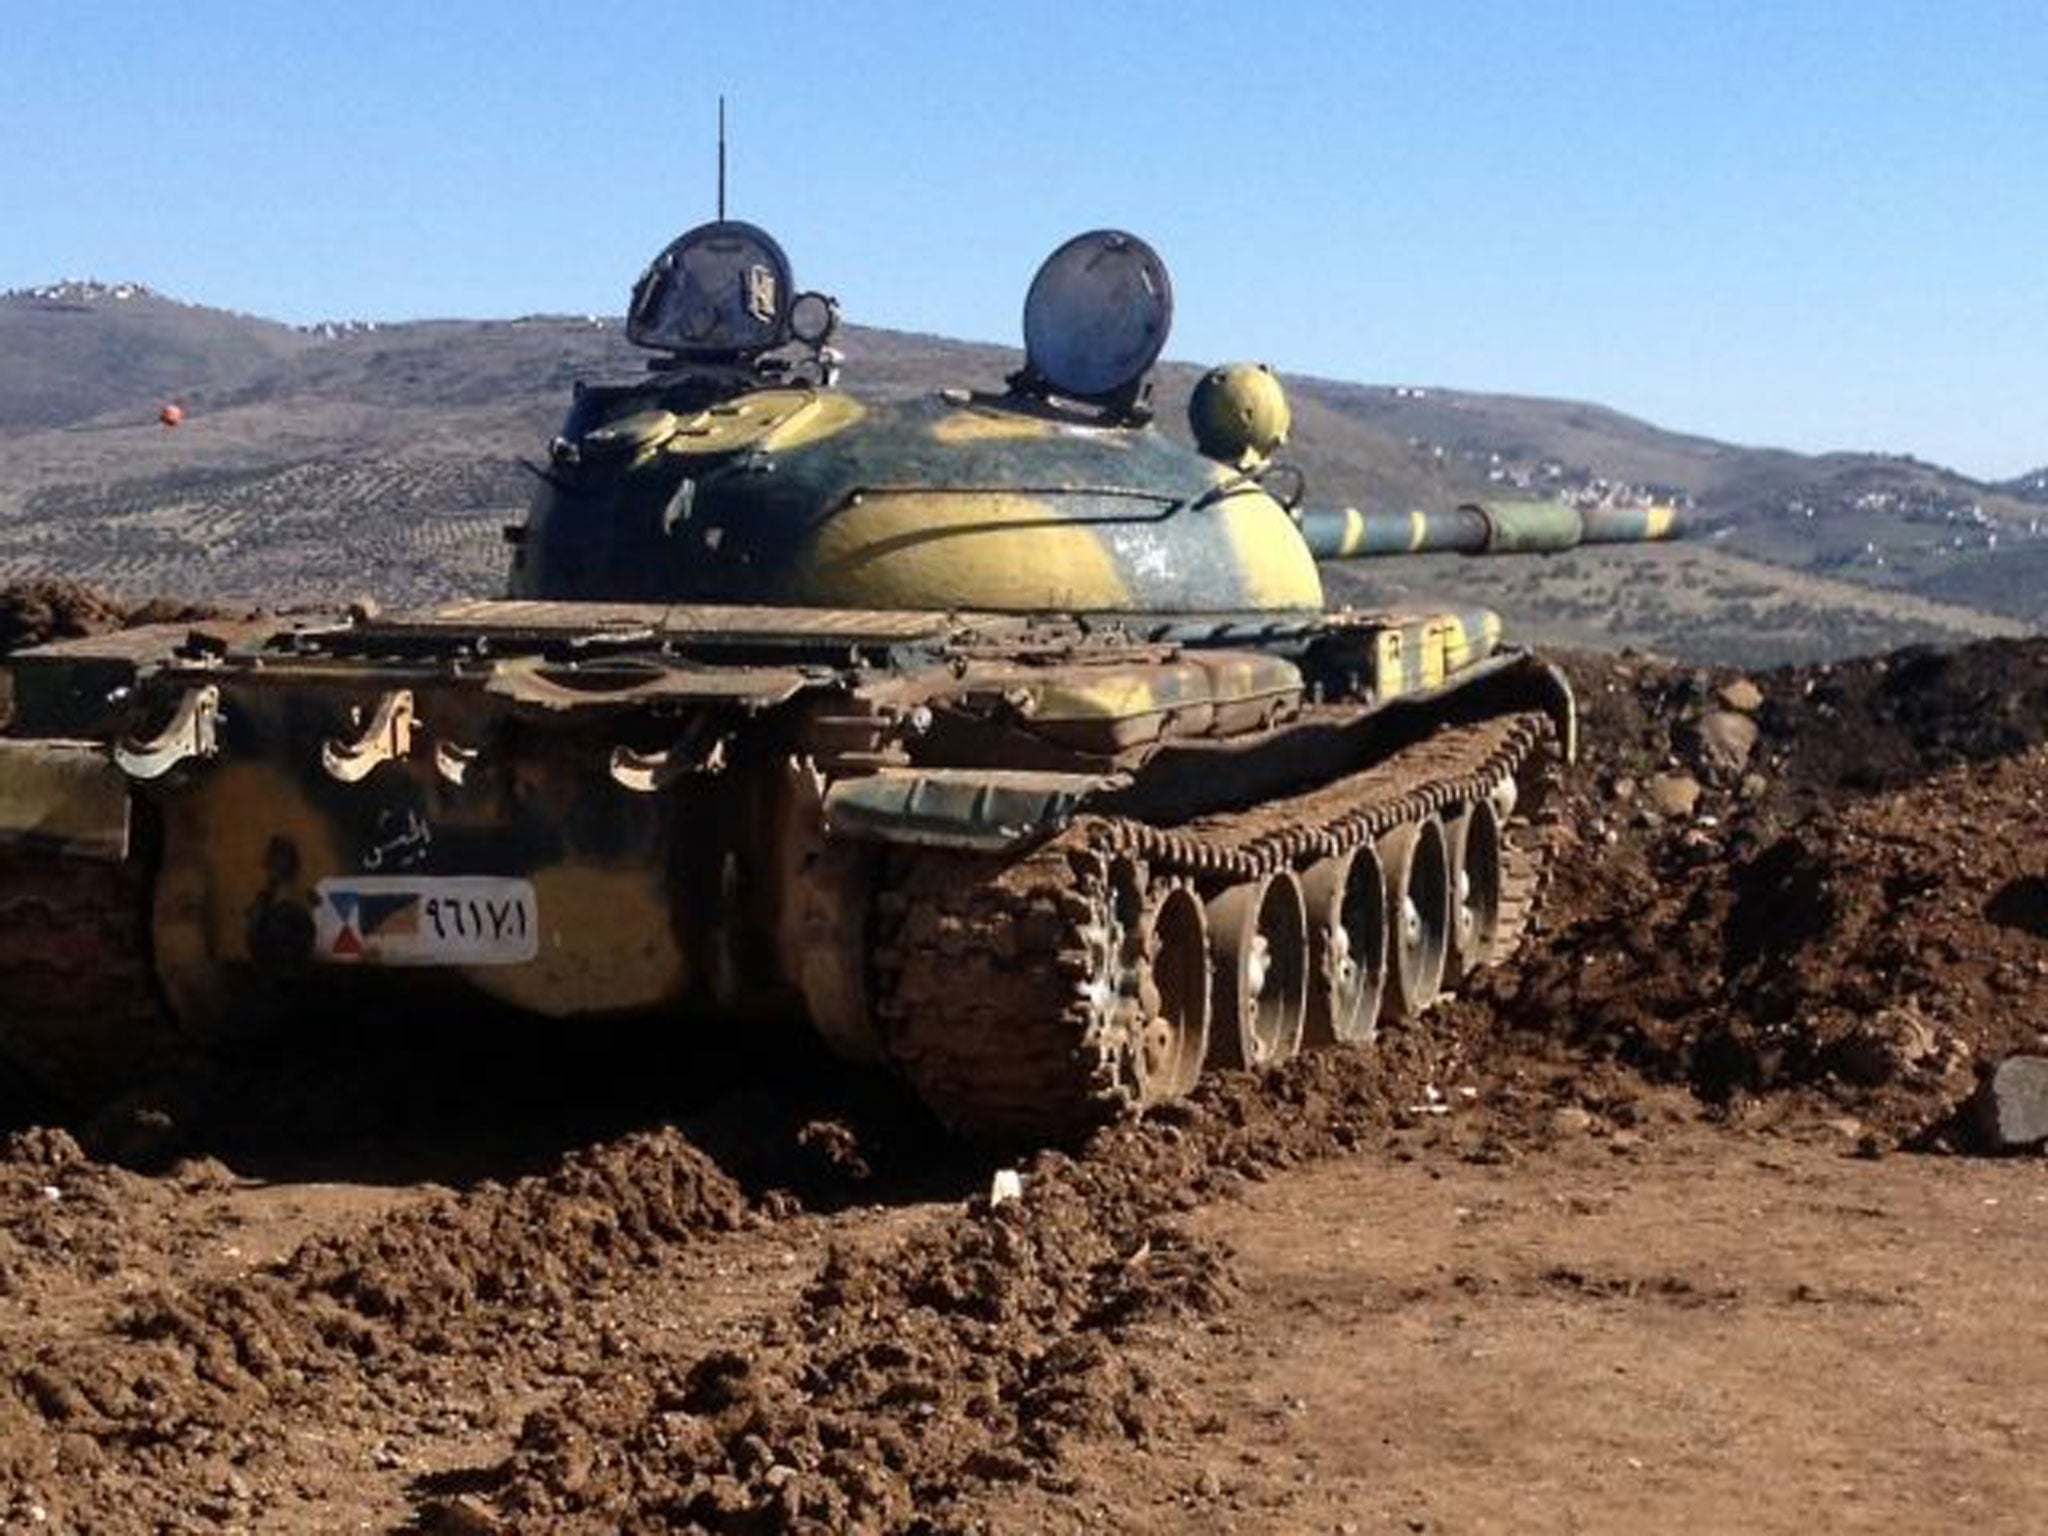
(532, 1244)
(991, 1348)
(1884, 722)
(1823, 732)
(1876, 953)
(379, 1327)
(35, 612)
(1821, 928)
(64, 1216)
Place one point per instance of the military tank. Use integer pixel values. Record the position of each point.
(997, 734)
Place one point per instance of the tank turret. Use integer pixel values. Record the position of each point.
(735, 473)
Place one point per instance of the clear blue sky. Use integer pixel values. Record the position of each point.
(1816, 225)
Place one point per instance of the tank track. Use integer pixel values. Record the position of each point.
(1527, 842)
(998, 980)
(985, 1001)
(80, 1018)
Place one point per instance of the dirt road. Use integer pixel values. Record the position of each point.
(1520, 1314)
(1708, 1330)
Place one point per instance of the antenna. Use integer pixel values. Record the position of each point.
(721, 159)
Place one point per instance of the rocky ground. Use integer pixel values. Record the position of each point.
(1681, 1220)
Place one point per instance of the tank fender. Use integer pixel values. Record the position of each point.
(64, 797)
(1523, 681)
(1557, 700)
(986, 810)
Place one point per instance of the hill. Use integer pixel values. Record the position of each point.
(2032, 486)
(82, 350)
(384, 458)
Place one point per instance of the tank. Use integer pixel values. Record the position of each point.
(998, 735)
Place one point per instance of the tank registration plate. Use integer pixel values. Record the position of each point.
(426, 920)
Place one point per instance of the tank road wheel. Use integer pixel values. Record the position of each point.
(1347, 914)
(1170, 985)
(1418, 875)
(1474, 841)
(1260, 933)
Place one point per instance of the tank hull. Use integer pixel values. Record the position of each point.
(713, 816)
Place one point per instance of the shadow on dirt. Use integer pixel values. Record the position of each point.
(2021, 904)
(459, 1100)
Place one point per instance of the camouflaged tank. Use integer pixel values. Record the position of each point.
(1001, 736)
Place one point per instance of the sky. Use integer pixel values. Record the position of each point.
(1809, 225)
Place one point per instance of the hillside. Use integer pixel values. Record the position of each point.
(1696, 600)
(2032, 486)
(384, 459)
(80, 351)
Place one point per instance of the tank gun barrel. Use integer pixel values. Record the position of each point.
(1490, 528)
